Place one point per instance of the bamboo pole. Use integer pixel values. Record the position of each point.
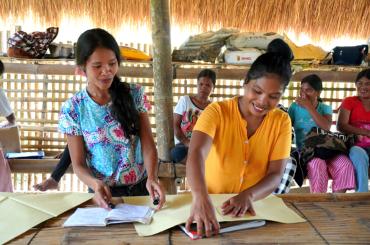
(162, 73)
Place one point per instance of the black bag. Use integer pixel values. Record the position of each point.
(351, 55)
(323, 144)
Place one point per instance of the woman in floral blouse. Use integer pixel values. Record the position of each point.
(107, 126)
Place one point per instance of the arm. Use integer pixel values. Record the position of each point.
(202, 210)
(178, 132)
(323, 121)
(78, 156)
(344, 126)
(150, 160)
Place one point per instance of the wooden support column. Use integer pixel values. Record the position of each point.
(162, 74)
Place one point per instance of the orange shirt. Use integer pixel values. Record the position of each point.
(235, 161)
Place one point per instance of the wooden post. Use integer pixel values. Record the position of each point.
(162, 74)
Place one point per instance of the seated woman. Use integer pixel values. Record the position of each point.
(107, 126)
(307, 112)
(187, 111)
(354, 118)
(5, 109)
(240, 145)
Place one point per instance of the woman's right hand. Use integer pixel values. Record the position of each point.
(102, 196)
(203, 213)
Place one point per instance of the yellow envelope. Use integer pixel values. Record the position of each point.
(177, 210)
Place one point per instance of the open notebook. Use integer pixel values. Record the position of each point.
(225, 227)
(122, 213)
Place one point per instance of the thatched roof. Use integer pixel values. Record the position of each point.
(320, 19)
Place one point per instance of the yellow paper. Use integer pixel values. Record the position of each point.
(271, 208)
(20, 212)
(53, 204)
(177, 211)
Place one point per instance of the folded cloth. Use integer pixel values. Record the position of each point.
(5, 174)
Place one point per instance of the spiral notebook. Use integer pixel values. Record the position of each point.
(122, 213)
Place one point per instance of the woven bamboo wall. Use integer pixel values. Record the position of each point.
(36, 100)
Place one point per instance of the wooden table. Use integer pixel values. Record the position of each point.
(332, 218)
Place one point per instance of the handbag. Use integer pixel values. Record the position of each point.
(324, 144)
(351, 55)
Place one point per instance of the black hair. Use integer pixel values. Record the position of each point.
(208, 73)
(364, 73)
(123, 107)
(279, 46)
(1, 67)
(315, 82)
(270, 63)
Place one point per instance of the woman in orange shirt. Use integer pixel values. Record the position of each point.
(240, 145)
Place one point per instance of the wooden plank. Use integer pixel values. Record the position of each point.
(166, 170)
(171, 170)
(191, 71)
(339, 222)
(324, 197)
(169, 185)
(34, 165)
(180, 170)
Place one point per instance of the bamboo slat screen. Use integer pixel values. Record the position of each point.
(37, 98)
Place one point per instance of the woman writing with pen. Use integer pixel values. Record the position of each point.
(107, 126)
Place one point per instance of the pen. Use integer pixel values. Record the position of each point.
(156, 201)
(111, 205)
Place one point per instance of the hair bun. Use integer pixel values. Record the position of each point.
(280, 47)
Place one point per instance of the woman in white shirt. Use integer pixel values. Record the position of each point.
(187, 111)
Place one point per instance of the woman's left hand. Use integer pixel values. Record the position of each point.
(239, 205)
(156, 191)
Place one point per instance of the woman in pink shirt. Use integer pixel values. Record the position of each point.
(354, 118)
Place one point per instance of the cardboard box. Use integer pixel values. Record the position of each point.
(245, 57)
(9, 139)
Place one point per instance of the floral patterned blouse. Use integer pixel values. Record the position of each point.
(111, 156)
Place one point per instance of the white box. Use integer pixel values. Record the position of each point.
(245, 57)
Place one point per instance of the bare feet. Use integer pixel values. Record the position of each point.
(47, 184)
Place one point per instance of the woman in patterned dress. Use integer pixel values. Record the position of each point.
(107, 126)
